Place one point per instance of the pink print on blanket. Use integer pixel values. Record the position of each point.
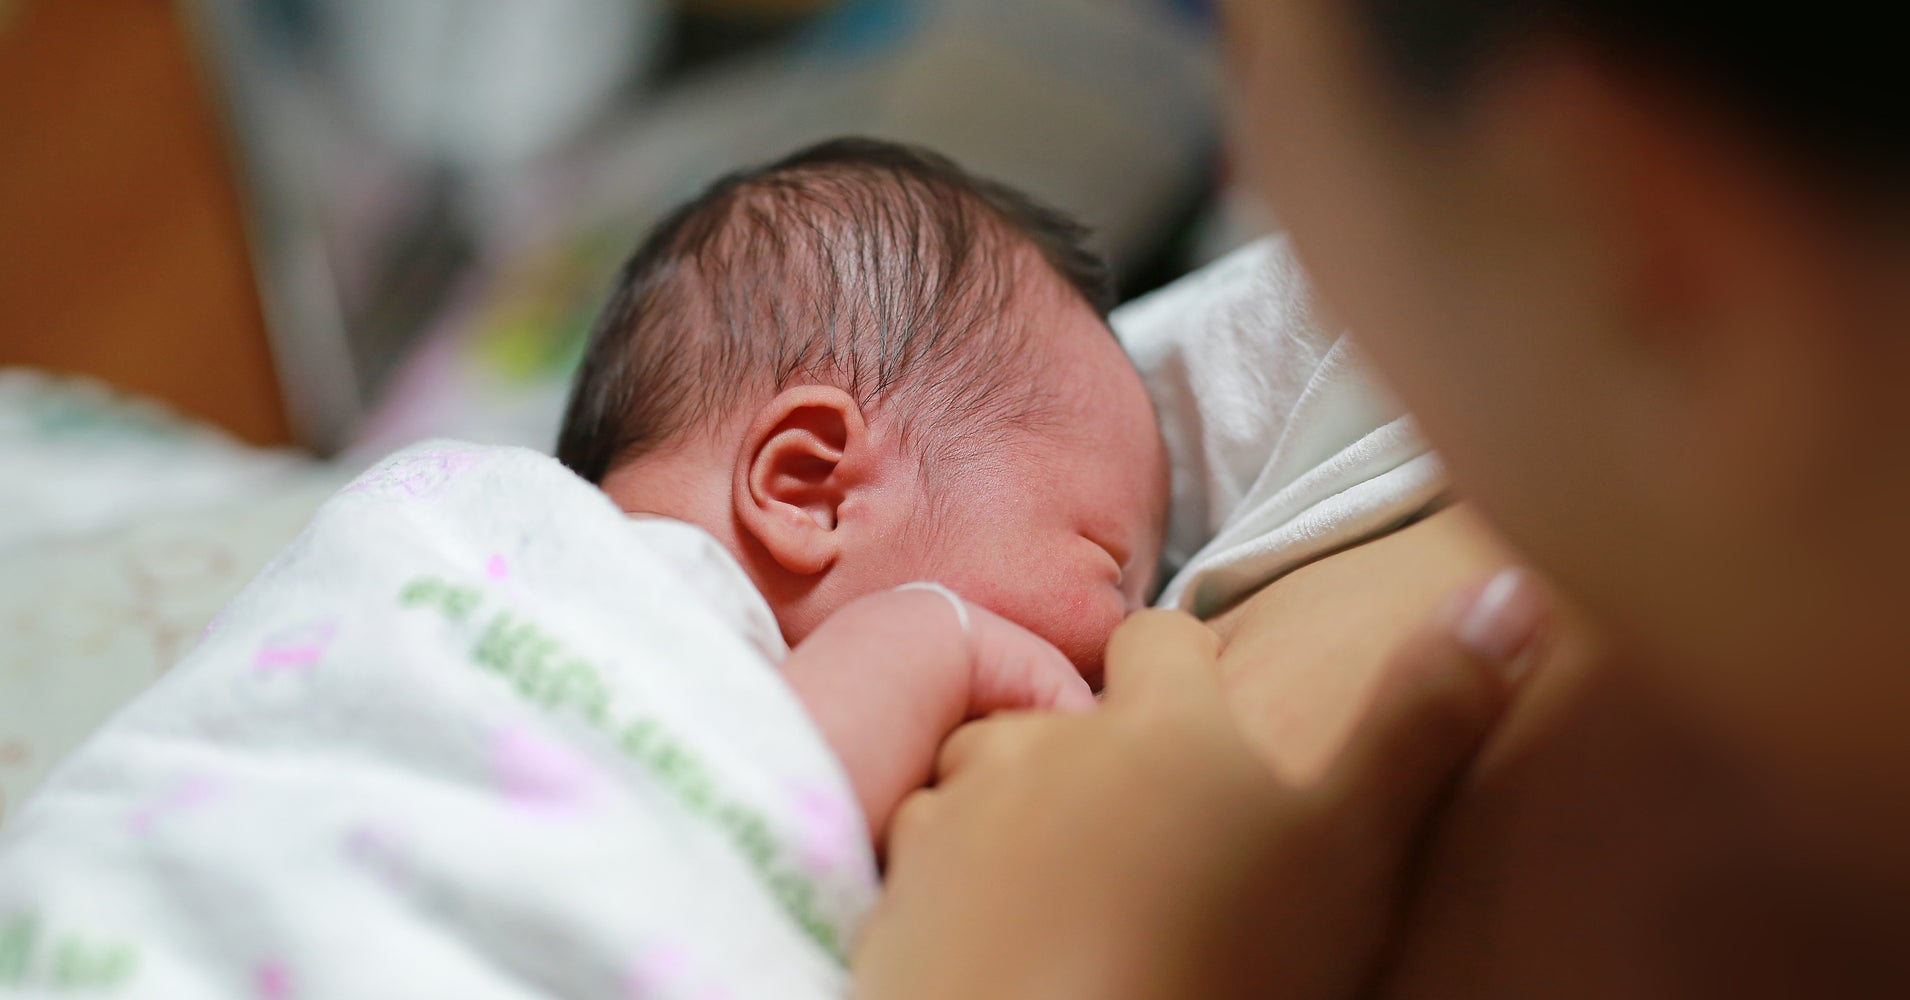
(185, 795)
(298, 648)
(539, 775)
(665, 970)
(272, 980)
(413, 476)
(830, 829)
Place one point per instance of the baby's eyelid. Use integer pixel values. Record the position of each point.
(1121, 558)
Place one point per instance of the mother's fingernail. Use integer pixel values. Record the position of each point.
(1501, 623)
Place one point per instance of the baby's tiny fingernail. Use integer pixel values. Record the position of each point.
(1501, 623)
(1077, 699)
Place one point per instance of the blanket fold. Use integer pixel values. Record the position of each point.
(475, 734)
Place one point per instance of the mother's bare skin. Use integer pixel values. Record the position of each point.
(1585, 834)
(1301, 654)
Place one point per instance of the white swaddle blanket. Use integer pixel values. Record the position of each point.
(1284, 449)
(475, 734)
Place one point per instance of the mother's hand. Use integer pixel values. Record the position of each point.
(1144, 850)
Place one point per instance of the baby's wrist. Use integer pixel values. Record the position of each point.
(954, 600)
(886, 678)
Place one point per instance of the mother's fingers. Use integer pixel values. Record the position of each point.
(1164, 655)
(997, 736)
(915, 814)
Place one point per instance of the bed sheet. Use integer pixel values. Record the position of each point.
(125, 529)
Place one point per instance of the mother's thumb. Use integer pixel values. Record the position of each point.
(1437, 701)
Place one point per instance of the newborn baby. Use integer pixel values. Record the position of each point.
(487, 730)
(861, 367)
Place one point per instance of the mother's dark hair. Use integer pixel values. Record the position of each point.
(1826, 81)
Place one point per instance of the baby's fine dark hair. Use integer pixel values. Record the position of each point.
(873, 266)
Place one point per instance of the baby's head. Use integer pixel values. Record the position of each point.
(861, 366)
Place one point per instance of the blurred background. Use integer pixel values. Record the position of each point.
(249, 246)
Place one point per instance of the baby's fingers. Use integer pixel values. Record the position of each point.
(1017, 670)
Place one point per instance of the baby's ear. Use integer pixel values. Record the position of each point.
(803, 454)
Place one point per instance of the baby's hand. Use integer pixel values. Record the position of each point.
(1017, 669)
(889, 675)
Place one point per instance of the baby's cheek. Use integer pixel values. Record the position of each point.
(1076, 612)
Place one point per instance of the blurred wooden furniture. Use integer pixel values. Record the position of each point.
(122, 247)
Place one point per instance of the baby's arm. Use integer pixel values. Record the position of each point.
(889, 675)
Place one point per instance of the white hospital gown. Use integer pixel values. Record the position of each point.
(1284, 446)
(475, 734)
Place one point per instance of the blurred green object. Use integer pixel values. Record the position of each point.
(536, 325)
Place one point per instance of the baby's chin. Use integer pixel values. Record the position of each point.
(1090, 661)
(1087, 647)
